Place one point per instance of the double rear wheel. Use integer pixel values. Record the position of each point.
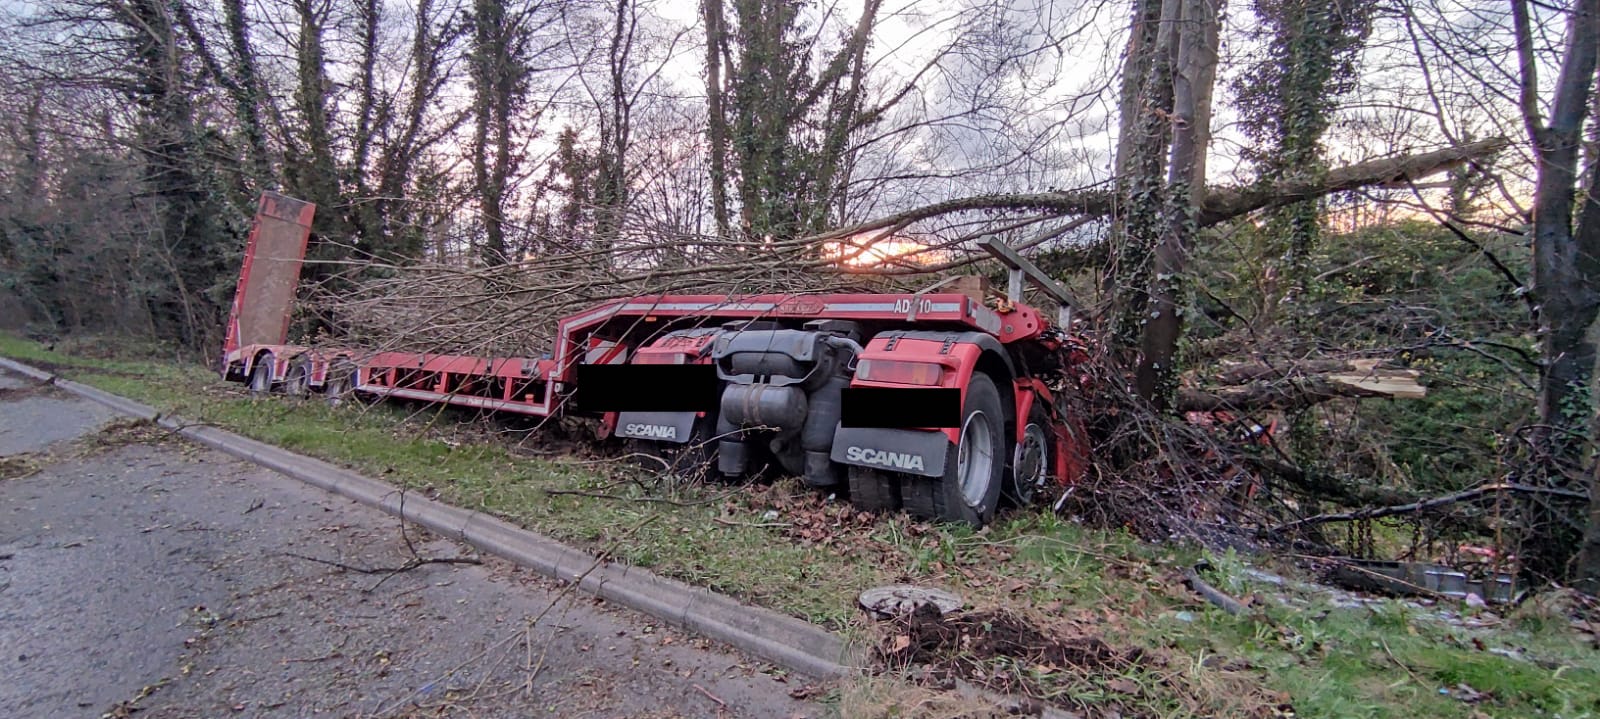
(969, 491)
(984, 468)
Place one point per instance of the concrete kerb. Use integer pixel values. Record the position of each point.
(788, 642)
(26, 371)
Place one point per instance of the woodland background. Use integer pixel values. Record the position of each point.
(1245, 196)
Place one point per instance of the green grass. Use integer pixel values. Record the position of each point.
(812, 560)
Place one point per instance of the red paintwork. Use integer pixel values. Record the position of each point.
(663, 350)
(269, 209)
(958, 363)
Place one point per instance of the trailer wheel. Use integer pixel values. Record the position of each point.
(340, 382)
(297, 381)
(872, 490)
(261, 377)
(969, 491)
(1030, 466)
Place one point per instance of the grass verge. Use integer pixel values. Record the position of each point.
(784, 547)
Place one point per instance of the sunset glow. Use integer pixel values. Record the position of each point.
(857, 252)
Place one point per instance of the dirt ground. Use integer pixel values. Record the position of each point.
(151, 578)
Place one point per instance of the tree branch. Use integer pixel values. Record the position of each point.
(1423, 505)
(1221, 203)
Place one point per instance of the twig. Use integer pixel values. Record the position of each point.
(657, 500)
(713, 697)
(1400, 664)
(759, 525)
(408, 566)
(1226, 603)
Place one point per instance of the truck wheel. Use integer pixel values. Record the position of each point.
(1030, 465)
(261, 377)
(297, 381)
(872, 490)
(969, 491)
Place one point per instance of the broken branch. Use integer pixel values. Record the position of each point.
(1426, 504)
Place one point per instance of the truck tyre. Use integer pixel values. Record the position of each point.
(969, 491)
(297, 381)
(1031, 464)
(261, 376)
(873, 490)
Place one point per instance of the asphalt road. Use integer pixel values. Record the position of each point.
(144, 576)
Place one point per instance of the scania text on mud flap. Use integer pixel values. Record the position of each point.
(954, 404)
(894, 460)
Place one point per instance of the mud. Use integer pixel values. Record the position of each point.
(969, 645)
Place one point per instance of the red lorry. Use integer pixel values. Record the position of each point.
(935, 403)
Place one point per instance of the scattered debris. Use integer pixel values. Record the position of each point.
(1425, 579)
(19, 466)
(899, 600)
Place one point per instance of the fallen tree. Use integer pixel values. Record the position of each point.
(1219, 203)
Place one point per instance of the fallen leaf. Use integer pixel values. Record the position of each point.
(901, 642)
(1123, 686)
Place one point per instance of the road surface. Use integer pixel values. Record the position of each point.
(141, 575)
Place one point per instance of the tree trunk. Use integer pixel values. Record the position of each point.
(1135, 67)
(611, 199)
(498, 73)
(399, 156)
(1142, 190)
(716, 114)
(248, 94)
(314, 174)
(171, 149)
(1192, 80)
(364, 212)
(1221, 203)
(1583, 358)
(1566, 287)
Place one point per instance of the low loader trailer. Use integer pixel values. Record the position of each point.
(935, 403)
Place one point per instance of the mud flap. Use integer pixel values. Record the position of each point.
(671, 427)
(895, 450)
